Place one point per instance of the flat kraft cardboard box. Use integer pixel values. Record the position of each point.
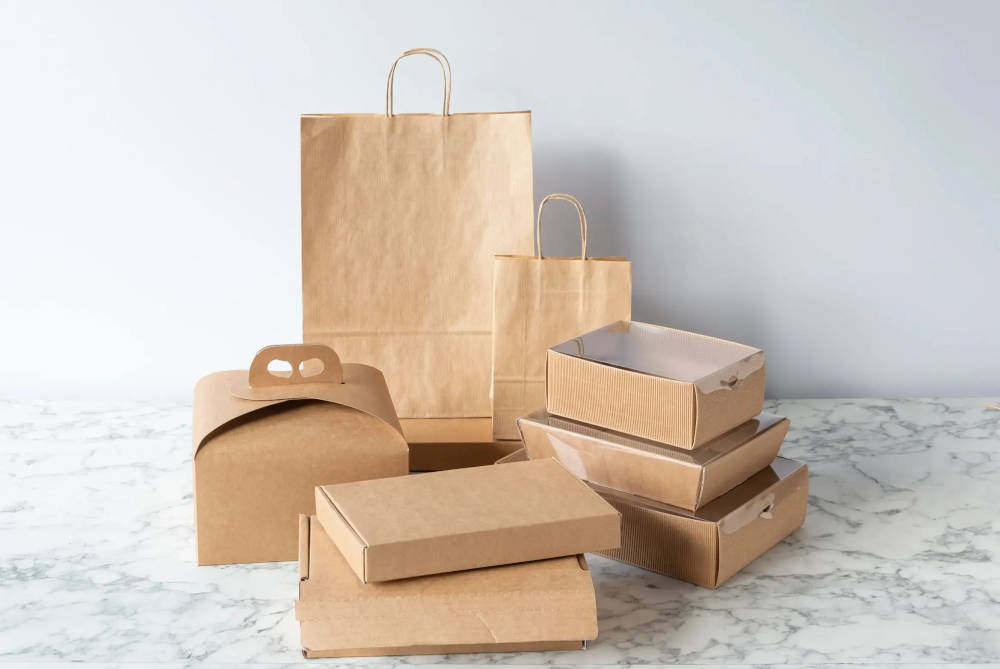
(671, 386)
(684, 478)
(437, 444)
(531, 606)
(464, 519)
(710, 546)
(263, 442)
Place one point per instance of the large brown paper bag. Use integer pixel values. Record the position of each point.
(539, 302)
(401, 217)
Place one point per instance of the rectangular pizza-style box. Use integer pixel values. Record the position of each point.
(684, 478)
(459, 519)
(531, 606)
(671, 386)
(437, 444)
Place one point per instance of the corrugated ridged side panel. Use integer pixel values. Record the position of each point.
(725, 408)
(782, 517)
(630, 402)
(678, 546)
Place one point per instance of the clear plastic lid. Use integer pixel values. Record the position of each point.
(658, 351)
(701, 456)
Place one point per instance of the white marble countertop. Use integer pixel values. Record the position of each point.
(896, 563)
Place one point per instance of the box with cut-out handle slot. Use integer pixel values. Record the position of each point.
(264, 439)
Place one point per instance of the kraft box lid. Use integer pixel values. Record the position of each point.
(671, 386)
(446, 521)
(684, 478)
(532, 606)
(709, 546)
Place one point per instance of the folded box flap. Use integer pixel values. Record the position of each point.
(730, 375)
(727, 397)
(215, 405)
(763, 520)
(757, 496)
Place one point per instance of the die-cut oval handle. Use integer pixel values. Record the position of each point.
(295, 355)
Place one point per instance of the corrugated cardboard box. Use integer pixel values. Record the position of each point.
(684, 478)
(263, 442)
(437, 444)
(531, 606)
(706, 548)
(464, 519)
(667, 385)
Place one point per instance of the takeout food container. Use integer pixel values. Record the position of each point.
(263, 441)
(709, 546)
(531, 606)
(671, 386)
(400, 527)
(685, 478)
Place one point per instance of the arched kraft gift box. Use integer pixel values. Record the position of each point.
(263, 441)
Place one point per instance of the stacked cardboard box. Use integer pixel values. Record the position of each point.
(667, 426)
(482, 559)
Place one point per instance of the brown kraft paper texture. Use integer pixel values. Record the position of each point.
(539, 302)
(401, 217)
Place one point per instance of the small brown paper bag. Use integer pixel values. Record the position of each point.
(539, 302)
(401, 217)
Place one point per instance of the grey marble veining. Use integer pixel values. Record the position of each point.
(896, 564)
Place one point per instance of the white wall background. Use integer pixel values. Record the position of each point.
(821, 179)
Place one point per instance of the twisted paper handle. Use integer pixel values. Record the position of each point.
(579, 210)
(390, 84)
